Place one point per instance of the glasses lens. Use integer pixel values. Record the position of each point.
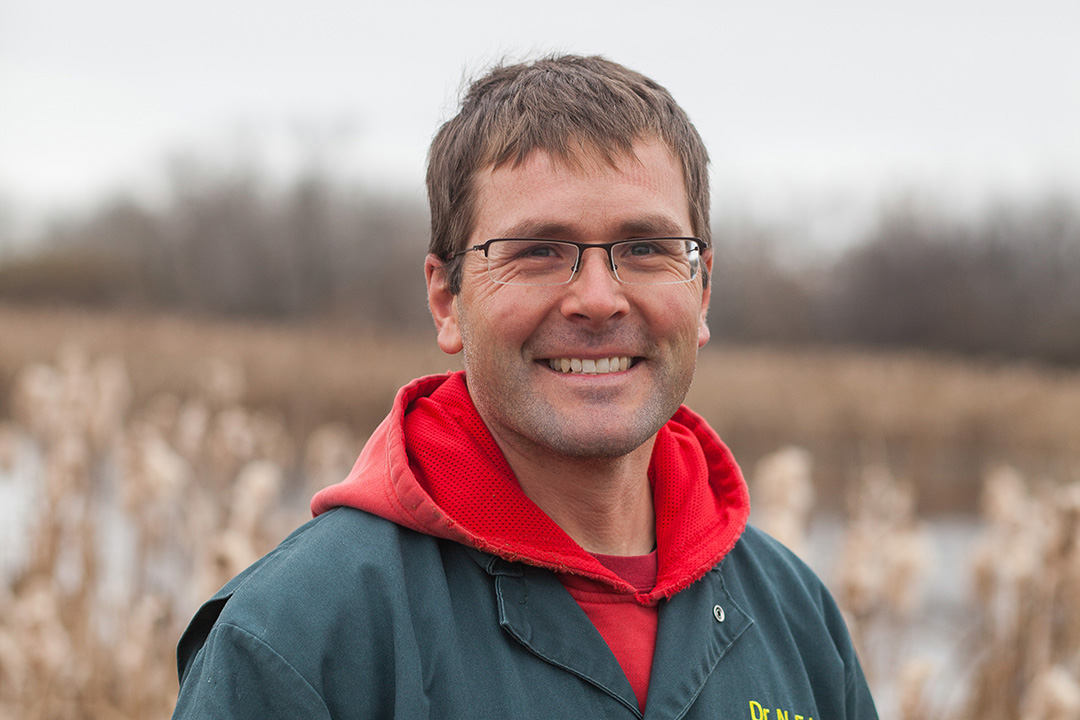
(656, 261)
(531, 262)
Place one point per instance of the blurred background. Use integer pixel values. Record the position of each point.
(212, 224)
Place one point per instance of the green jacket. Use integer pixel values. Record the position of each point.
(354, 616)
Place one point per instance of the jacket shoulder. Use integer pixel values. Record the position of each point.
(342, 592)
(341, 565)
(758, 557)
(788, 599)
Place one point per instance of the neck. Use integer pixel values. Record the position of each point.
(604, 504)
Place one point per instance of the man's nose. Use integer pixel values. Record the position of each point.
(595, 293)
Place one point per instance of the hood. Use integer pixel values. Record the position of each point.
(432, 466)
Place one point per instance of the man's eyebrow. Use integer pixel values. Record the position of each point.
(648, 226)
(651, 226)
(540, 229)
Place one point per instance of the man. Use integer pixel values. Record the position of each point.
(548, 534)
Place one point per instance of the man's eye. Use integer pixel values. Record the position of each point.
(644, 249)
(541, 251)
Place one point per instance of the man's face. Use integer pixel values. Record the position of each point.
(510, 334)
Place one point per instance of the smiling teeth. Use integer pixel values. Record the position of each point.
(589, 366)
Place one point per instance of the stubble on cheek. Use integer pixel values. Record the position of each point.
(582, 425)
(518, 406)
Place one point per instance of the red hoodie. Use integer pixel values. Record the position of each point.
(432, 466)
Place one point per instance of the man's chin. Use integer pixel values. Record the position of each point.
(587, 440)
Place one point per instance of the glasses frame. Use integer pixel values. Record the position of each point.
(702, 246)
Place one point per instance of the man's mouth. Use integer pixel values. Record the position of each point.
(589, 366)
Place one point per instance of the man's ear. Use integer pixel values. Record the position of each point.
(706, 293)
(443, 305)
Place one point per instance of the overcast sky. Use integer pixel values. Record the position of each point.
(798, 101)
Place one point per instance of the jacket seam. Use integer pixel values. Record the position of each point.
(279, 656)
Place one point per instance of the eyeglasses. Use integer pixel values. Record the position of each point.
(639, 261)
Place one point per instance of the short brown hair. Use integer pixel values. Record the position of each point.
(563, 105)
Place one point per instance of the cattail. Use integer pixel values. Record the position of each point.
(886, 552)
(913, 689)
(192, 426)
(272, 439)
(257, 488)
(223, 382)
(231, 442)
(784, 495)
(37, 400)
(113, 395)
(45, 645)
(884, 557)
(165, 472)
(329, 454)
(1027, 579)
(9, 447)
(1054, 695)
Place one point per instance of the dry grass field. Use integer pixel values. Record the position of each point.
(146, 459)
